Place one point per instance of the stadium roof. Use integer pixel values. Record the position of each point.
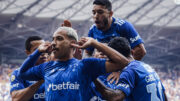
(136, 11)
(157, 21)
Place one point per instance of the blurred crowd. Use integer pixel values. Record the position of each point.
(170, 78)
(5, 71)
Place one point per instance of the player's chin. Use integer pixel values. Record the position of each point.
(99, 26)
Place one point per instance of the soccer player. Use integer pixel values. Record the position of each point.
(67, 78)
(24, 90)
(138, 81)
(107, 27)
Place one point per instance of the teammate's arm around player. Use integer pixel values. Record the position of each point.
(112, 94)
(27, 93)
(117, 61)
(108, 93)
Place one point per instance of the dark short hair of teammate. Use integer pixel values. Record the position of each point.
(121, 45)
(28, 44)
(105, 3)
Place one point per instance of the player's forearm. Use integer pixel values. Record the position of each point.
(107, 93)
(139, 52)
(115, 56)
(100, 86)
(30, 61)
(114, 95)
(27, 93)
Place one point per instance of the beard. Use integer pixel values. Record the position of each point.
(104, 24)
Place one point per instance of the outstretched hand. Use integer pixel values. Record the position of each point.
(84, 42)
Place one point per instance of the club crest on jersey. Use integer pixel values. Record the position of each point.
(13, 77)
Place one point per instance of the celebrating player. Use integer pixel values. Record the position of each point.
(24, 90)
(137, 82)
(107, 27)
(67, 78)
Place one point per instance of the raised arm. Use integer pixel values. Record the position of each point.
(117, 60)
(27, 71)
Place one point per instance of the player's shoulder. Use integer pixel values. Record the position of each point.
(15, 72)
(14, 75)
(91, 59)
(147, 67)
(119, 22)
(93, 27)
(49, 65)
(133, 65)
(122, 23)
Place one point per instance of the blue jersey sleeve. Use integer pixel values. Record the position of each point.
(126, 81)
(94, 67)
(28, 72)
(15, 82)
(130, 33)
(34, 73)
(90, 34)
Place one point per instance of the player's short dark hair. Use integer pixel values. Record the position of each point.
(105, 3)
(28, 44)
(121, 45)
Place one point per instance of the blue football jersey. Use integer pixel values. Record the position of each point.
(119, 28)
(16, 83)
(65, 81)
(140, 82)
(103, 79)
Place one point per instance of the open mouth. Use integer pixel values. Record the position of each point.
(97, 22)
(54, 49)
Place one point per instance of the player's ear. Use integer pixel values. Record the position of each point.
(132, 52)
(110, 13)
(27, 52)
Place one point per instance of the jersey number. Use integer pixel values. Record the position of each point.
(151, 88)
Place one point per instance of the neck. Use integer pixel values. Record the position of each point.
(130, 58)
(66, 58)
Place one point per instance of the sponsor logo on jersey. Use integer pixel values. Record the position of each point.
(134, 39)
(61, 69)
(63, 86)
(123, 85)
(15, 85)
(96, 98)
(32, 82)
(39, 95)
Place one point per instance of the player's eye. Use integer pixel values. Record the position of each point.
(59, 38)
(93, 12)
(100, 11)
